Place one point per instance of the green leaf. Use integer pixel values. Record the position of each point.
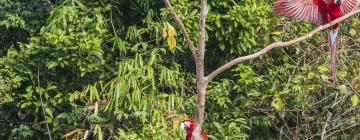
(24, 105)
(352, 32)
(323, 68)
(324, 77)
(276, 33)
(343, 89)
(311, 75)
(49, 112)
(162, 96)
(299, 99)
(357, 87)
(355, 100)
(278, 102)
(98, 131)
(52, 64)
(342, 74)
(218, 23)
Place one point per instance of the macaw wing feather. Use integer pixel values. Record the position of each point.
(300, 9)
(348, 5)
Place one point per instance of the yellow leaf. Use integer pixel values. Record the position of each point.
(355, 100)
(357, 87)
(171, 42)
(342, 74)
(323, 68)
(72, 132)
(98, 131)
(175, 125)
(171, 31)
(276, 33)
(352, 32)
(311, 75)
(324, 77)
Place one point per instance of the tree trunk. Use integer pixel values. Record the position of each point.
(201, 90)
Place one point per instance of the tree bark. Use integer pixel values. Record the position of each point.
(201, 91)
(201, 80)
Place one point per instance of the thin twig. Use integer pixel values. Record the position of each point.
(332, 133)
(42, 104)
(324, 128)
(283, 133)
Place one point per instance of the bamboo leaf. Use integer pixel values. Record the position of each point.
(72, 132)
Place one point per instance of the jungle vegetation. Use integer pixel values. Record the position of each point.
(121, 69)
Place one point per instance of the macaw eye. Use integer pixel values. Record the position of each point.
(185, 125)
(338, 2)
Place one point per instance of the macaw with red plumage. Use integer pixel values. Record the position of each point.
(318, 12)
(189, 126)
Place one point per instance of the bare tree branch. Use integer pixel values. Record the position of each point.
(277, 45)
(182, 27)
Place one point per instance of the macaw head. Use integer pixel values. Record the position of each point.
(187, 125)
(338, 2)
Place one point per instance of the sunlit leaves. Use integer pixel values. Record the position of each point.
(98, 132)
(355, 100)
(323, 68)
(169, 32)
(171, 42)
(12, 21)
(311, 75)
(277, 102)
(72, 132)
(343, 89)
(22, 132)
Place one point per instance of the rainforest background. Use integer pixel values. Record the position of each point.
(121, 69)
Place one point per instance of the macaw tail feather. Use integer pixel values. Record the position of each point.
(333, 51)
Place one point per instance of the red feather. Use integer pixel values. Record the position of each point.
(318, 12)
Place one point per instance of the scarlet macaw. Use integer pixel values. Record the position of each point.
(189, 126)
(318, 12)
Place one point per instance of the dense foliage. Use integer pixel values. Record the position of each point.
(120, 69)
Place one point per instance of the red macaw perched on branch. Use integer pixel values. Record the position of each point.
(318, 12)
(189, 126)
